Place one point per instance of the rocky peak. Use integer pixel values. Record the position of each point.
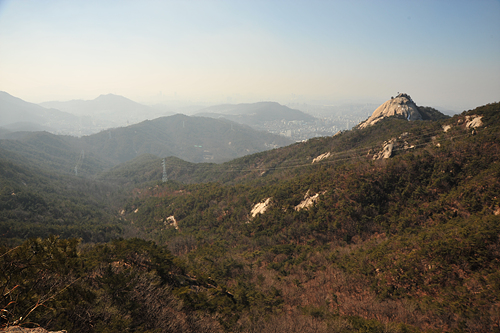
(401, 105)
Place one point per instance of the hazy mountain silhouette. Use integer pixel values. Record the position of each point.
(107, 110)
(255, 114)
(19, 115)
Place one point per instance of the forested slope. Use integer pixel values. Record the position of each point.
(195, 139)
(37, 203)
(341, 241)
(417, 231)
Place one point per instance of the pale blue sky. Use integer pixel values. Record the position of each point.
(443, 53)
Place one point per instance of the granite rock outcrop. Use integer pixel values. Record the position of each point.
(401, 105)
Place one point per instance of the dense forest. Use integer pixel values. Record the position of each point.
(318, 236)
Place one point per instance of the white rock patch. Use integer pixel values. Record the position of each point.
(386, 151)
(473, 121)
(172, 222)
(260, 208)
(308, 201)
(321, 157)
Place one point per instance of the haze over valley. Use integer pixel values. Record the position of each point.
(80, 117)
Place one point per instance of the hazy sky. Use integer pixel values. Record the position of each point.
(443, 53)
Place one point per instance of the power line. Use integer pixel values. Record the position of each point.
(337, 156)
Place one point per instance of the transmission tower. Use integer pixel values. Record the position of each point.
(164, 178)
(79, 162)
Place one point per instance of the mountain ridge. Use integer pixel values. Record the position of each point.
(255, 114)
(107, 111)
(196, 139)
(17, 114)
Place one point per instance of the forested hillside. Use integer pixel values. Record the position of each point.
(194, 139)
(319, 236)
(38, 203)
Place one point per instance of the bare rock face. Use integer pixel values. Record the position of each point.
(308, 201)
(386, 151)
(260, 208)
(473, 121)
(394, 144)
(171, 221)
(321, 157)
(401, 105)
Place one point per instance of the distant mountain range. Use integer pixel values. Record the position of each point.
(85, 117)
(77, 117)
(18, 115)
(107, 111)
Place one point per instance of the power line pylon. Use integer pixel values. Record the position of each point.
(164, 177)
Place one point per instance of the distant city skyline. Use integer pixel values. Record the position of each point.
(443, 53)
